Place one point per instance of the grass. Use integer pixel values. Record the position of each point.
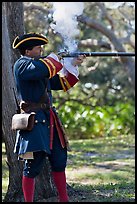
(103, 169)
(99, 170)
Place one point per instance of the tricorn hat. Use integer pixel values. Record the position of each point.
(29, 40)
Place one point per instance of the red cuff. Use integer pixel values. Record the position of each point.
(68, 81)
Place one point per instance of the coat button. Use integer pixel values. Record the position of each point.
(44, 121)
(36, 121)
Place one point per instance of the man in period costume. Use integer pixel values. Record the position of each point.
(35, 77)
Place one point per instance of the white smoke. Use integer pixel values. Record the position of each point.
(65, 21)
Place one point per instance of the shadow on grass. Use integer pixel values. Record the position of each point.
(123, 192)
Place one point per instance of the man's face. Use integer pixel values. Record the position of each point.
(35, 52)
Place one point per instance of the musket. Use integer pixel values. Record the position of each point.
(96, 54)
(63, 54)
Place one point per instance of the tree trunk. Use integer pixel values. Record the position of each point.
(12, 25)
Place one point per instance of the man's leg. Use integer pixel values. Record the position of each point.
(31, 169)
(28, 187)
(58, 159)
(60, 183)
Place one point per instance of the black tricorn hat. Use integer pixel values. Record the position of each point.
(29, 40)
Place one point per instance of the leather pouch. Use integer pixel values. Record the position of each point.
(23, 121)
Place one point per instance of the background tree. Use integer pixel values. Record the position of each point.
(101, 25)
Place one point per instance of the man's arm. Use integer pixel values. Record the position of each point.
(31, 69)
(68, 76)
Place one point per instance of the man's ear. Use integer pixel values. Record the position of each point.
(27, 52)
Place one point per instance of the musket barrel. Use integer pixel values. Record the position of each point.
(97, 54)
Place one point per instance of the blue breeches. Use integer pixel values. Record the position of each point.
(57, 158)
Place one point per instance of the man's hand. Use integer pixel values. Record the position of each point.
(78, 60)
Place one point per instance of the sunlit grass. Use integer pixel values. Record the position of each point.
(102, 160)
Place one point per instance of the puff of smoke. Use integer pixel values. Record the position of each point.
(65, 21)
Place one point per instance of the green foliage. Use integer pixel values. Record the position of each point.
(84, 122)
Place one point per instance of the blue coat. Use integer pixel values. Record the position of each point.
(32, 77)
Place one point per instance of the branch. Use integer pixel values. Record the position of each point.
(128, 63)
(94, 43)
(105, 14)
(101, 28)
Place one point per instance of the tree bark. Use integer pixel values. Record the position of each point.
(13, 25)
